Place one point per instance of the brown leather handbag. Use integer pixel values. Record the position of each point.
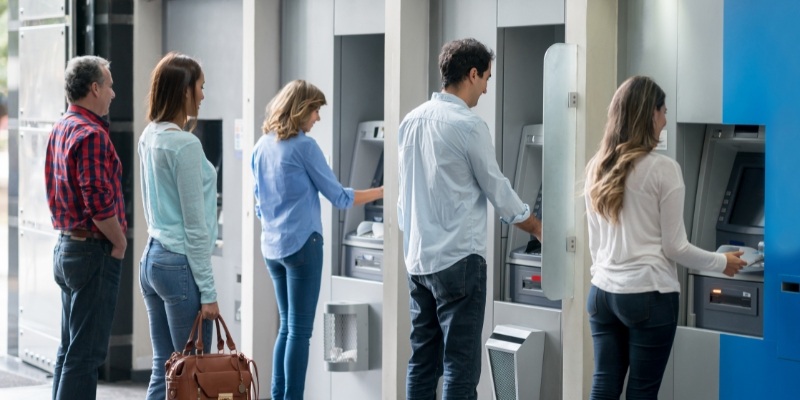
(202, 376)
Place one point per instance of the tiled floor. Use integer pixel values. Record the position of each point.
(21, 381)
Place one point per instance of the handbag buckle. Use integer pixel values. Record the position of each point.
(225, 396)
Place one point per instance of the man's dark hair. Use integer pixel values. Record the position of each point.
(459, 57)
(81, 72)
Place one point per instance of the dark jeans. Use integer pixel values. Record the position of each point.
(631, 330)
(89, 280)
(297, 280)
(172, 300)
(447, 309)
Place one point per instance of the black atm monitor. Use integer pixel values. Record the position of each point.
(742, 209)
(209, 131)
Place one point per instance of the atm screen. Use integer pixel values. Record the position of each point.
(748, 204)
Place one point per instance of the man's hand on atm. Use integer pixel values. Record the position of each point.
(533, 226)
(734, 262)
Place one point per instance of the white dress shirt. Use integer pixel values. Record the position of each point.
(447, 171)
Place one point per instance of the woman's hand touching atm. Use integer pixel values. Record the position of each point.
(734, 262)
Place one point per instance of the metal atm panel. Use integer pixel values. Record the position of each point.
(728, 305)
(729, 215)
(362, 247)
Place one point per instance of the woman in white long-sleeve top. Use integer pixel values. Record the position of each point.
(179, 190)
(634, 204)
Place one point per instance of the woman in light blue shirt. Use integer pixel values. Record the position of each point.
(179, 190)
(290, 172)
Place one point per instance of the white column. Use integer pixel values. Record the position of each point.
(261, 80)
(592, 25)
(406, 86)
(147, 39)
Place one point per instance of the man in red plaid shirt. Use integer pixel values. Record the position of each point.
(84, 190)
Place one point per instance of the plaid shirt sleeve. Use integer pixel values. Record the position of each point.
(95, 161)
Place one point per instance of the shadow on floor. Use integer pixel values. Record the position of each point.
(22, 381)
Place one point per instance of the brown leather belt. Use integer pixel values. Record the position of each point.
(84, 234)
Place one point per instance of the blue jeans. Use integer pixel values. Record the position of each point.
(89, 280)
(296, 279)
(173, 301)
(447, 309)
(631, 330)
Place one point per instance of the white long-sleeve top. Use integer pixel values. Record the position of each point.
(640, 252)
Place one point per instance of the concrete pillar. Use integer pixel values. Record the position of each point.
(406, 86)
(261, 80)
(592, 25)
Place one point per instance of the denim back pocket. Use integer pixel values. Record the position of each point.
(170, 278)
(633, 309)
(451, 283)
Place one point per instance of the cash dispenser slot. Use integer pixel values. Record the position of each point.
(526, 287)
(733, 298)
(729, 305)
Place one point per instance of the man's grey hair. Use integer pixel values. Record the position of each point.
(81, 72)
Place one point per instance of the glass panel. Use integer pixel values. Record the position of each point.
(34, 211)
(40, 9)
(42, 57)
(558, 186)
(39, 299)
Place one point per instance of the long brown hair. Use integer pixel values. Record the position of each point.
(291, 108)
(629, 135)
(173, 76)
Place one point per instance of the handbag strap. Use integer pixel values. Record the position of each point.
(197, 331)
(190, 343)
(229, 338)
(220, 342)
(254, 382)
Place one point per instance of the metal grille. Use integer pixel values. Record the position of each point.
(502, 364)
(341, 338)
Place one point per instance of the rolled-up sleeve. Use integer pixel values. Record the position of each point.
(95, 177)
(493, 183)
(323, 178)
(253, 168)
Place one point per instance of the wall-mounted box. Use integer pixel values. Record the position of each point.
(346, 336)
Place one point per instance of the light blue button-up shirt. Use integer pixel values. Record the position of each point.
(179, 191)
(289, 176)
(447, 171)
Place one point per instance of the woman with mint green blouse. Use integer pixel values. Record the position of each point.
(179, 191)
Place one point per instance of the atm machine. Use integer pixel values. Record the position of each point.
(522, 301)
(729, 216)
(523, 266)
(362, 247)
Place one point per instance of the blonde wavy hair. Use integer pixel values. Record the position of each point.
(630, 134)
(291, 108)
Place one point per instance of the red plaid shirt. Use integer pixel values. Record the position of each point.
(83, 173)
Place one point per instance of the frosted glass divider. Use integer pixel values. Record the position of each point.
(558, 170)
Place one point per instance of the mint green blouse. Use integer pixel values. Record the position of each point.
(179, 191)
